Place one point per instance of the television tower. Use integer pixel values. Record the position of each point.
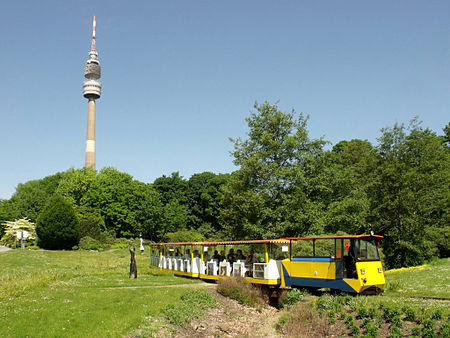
(91, 90)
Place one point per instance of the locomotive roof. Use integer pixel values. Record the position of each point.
(254, 241)
(267, 241)
(337, 237)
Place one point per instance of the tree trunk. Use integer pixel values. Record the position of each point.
(133, 267)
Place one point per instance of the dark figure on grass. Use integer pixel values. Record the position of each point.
(133, 266)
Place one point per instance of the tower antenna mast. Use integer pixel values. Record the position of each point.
(94, 23)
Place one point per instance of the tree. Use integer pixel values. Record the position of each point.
(204, 199)
(446, 135)
(409, 193)
(274, 161)
(126, 205)
(76, 183)
(91, 223)
(175, 216)
(196, 184)
(347, 171)
(13, 228)
(172, 187)
(57, 226)
(31, 197)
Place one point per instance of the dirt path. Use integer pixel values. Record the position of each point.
(162, 286)
(4, 248)
(229, 319)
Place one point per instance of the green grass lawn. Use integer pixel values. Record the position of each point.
(78, 293)
(89, 294)
(431, 281)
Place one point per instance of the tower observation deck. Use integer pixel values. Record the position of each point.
(92, 89)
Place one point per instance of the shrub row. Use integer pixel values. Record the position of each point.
(240, 289)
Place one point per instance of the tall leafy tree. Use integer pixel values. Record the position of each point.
(347, 171)
(204, 200)
(196, 185)
(273, 160)
(174, 218)
(127, 206)
(173, 187)
(409, 194)
(76, 183)
(30, 198)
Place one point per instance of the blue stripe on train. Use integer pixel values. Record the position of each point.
(312, 259)
(337, 284)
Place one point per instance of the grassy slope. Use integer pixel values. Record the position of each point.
(65, 293)
(431, 281)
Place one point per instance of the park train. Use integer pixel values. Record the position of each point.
(346, 263)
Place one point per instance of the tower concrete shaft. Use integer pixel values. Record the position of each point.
(91, 90)
(90, 136)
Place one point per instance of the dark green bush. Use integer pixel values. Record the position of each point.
(326, 302)
(354, 329)
(410, 314)
(372, 312)
(240, 289)
(395, 332)
(321, 304)
(362, 312)
(371, 330)
(332, 316)
(292, 297)
(365, 322)
(428, 323)
(350, 320)
(396, 321)
(428, 333)
(437, 314)
(428, 328)
(389, 311)
(57, 226)
(344, 300)
(444, 331)
(415, 331)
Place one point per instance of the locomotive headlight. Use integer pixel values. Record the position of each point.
(380, 270)
(363, 271)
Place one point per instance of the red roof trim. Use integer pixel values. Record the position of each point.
(255, 241)
(267, 241)
(335, 237)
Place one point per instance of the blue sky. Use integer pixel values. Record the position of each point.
(179, 77)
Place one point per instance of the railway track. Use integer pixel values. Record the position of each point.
(427, 297)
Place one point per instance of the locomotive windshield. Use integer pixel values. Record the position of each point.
(366, 249)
